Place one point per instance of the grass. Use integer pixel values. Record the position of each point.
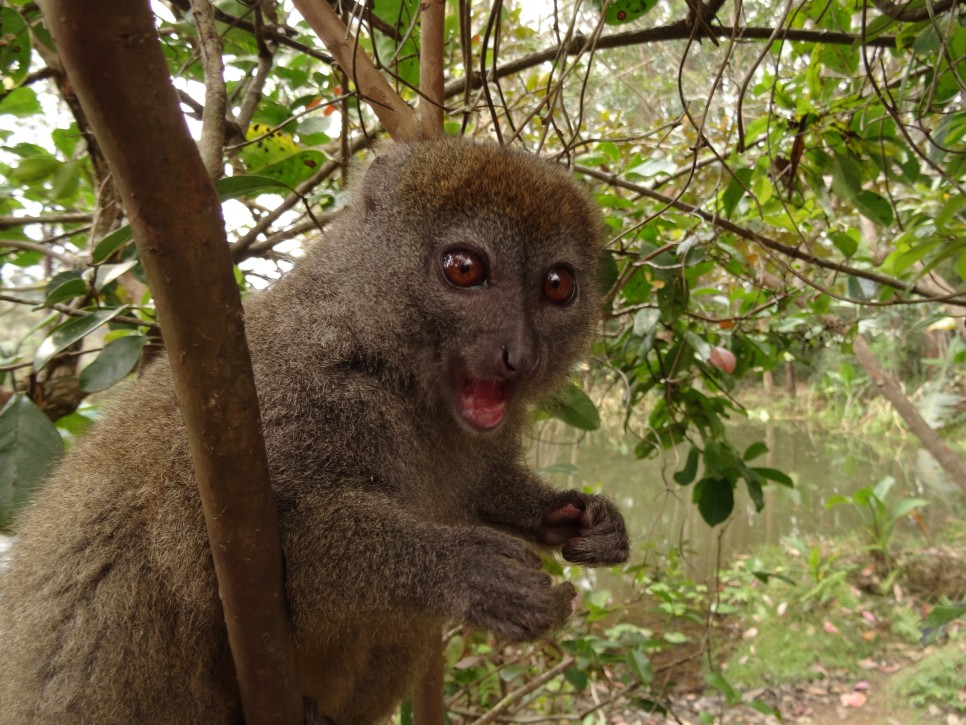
(804, 613)
(938, 679)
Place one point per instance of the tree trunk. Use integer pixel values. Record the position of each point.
(890, 389)
(790, 378)
(114, 62)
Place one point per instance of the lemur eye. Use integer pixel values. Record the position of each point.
(463, 268)
(559, 286)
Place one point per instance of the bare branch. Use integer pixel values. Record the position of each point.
(10, 222)
(397, 118)
(430, 112)
(212, 142)
(253, 94)
(34, 247)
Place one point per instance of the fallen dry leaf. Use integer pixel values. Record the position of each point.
(829, 627)
(853, 699)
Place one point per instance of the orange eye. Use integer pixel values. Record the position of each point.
(559, 286)
(463, 268)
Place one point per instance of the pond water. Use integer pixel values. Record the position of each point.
(660, 514)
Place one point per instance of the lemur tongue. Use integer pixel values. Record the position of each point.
(483, 403)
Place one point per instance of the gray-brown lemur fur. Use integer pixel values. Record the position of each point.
(403, 499)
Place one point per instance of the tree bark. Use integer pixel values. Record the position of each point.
(114, 60)
(891, 391)
(430, 111)
(397, 118)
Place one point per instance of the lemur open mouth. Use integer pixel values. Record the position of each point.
(483, 402)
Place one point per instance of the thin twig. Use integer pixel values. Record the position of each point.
(34, 247)
(11, 222)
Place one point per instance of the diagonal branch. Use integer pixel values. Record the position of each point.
(397, 118)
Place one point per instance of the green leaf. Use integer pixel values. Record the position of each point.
(577, 678)
(640, 665)
(64, 286)
(111, 243)
(765, 709)
(70, 332)
(104, 274)
(406, 714)
(775, 475)
(14, 48)
(276, 155)
(232, 187)
(20, 102)
(574, 408)
(645, 320)
(672, 299)
(846, 178)
(34, 169)
(882, 488)
(608, 270)
(686, 475)
(699, 345)
(754, 450)
(873, 207)
(735, 190)
(950, 210)
(941, 615)
(29, 448)
(836, 500)
(717, 681)
(112, 364)
(844, 243)
(755, 492)
(403, 58)
(715, 499)
(907, 506)
(620, 12)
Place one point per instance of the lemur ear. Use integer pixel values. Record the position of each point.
(381, 176)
